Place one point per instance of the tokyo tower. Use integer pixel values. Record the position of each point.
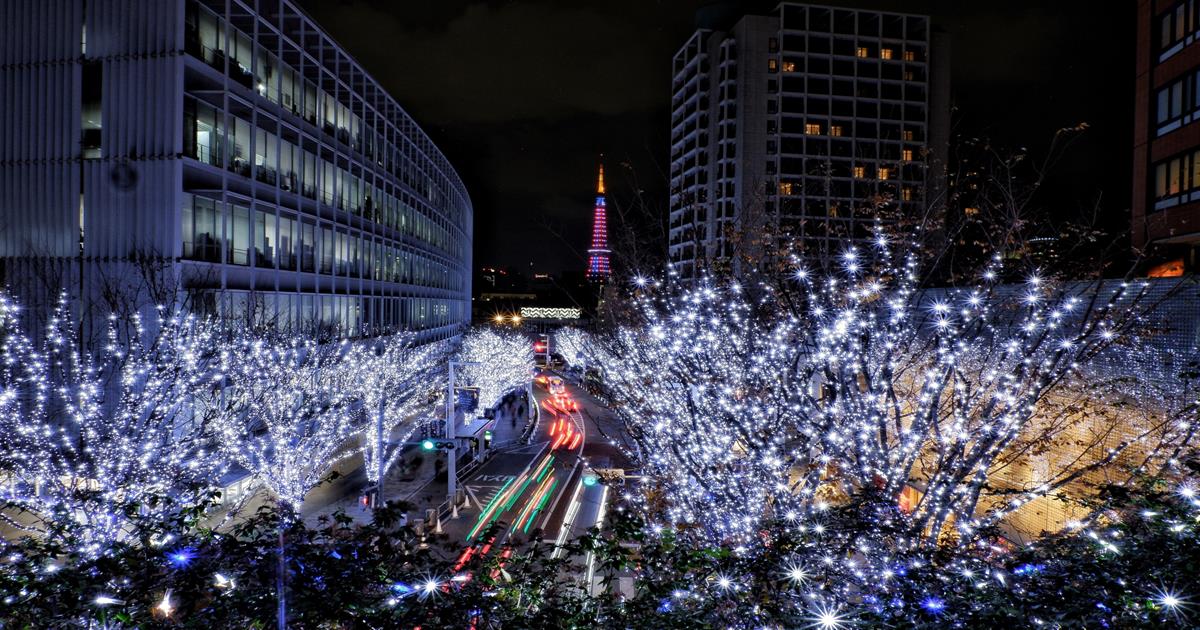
(597, 269)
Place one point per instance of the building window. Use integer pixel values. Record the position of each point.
(789, 66)
(885, 172)
(201, 229)
(239, 247)
(861, 51)
(885, 53)
(906, 193)
(910, 55)
(835, 130)
(907, 135)
(860, 172)
(773, 65)
(909, 75)
(1175, 26)
(785, 188)
(907, 155)
(812, 129)
(773, 44)
(1177, 103)
(1176, 180)
(91, 109)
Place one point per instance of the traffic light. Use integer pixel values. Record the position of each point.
(429, 445)
(487, 439)
(590, 480)
(541, 349)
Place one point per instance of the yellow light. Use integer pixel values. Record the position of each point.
(165, 607)
(516, 319)
(499, 319)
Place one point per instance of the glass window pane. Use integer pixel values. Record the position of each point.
(264, 239)
(241, 236)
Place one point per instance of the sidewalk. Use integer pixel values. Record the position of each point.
(413, 478)
(412, 472)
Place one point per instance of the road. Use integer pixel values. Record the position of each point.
(543, 489)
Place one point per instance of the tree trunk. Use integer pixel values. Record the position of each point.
(280, 578)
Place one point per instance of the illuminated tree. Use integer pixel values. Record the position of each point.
(398, 382)
(85, 430)
(495, 362)
(279, 413)
(571, 344)
(856, 385)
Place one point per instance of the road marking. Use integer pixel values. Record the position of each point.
(487, 492)
(500, 478)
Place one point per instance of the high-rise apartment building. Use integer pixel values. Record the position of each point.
(802, 124)
(233, 148)
(1166, 145)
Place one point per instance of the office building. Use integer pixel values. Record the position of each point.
(801, 126)
(229, 148)
(1166, 146)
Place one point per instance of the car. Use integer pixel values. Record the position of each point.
(556, 386)
(562, 402)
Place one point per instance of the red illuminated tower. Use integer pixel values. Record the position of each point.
(597, 268)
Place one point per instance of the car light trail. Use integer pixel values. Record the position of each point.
(543, 489)
(540, 505)
(509, 493)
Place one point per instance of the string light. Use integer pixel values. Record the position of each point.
(86, 428)
(495, 362)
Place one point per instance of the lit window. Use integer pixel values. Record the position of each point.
(773, 65)
(835, 130)
(785, 188)
(906, 155)
(1169, 269)
(789, 66)
(885, 53)
(861, 51)
(812, 129)
(885, 172)
(906, 193)
(860, 172)
(909, 75)
(910, 55)
(907, 134)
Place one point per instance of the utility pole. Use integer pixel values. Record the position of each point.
(451, 421)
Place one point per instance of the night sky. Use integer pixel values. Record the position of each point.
(522, 96)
